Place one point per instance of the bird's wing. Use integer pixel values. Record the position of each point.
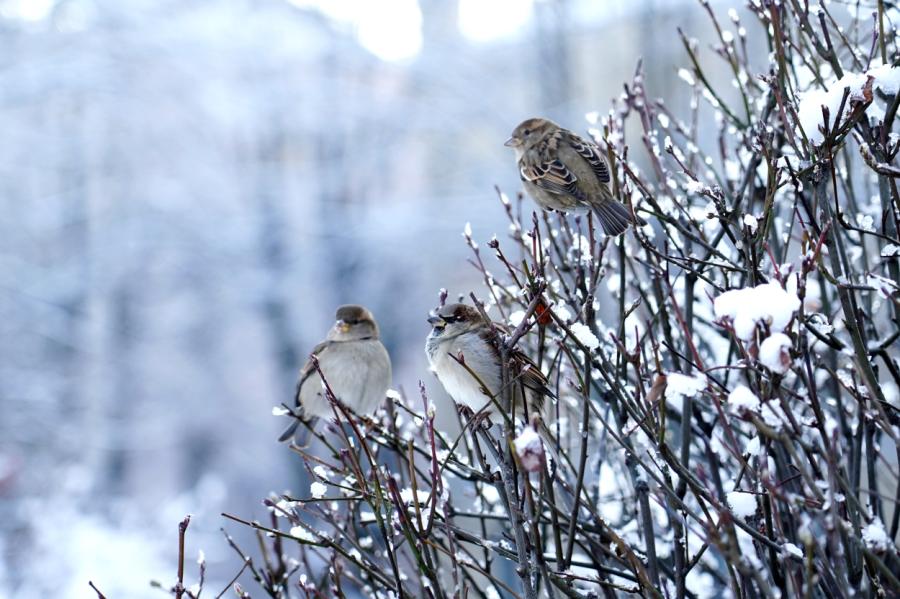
(590, 153)
(308, 368)
(532, 377)
(552, 176)
(521, 365)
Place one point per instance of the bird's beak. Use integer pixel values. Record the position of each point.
(343, 326)
(511, 142)
(436, 321)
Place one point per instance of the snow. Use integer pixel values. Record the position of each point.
(584, 335)
(280, 411)
(875, 537)
(774, 353)
(743, 400)
(751, 222)
(791, 549)
(681, 385)
(530, 449)
(317, 490)
(885, 77)
(686, 76)
(890, 251)
(743, 505)
(692, 186)
(302, 533)
(767, 303)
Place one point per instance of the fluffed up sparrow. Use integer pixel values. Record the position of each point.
(355, 364)
(562, 171)
(464, 352)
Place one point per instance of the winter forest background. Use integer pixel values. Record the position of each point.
(188, 189)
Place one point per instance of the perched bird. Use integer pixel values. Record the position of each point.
(463, 343)
(355, 364)
(562, 171)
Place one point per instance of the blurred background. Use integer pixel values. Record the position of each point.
(188, 189)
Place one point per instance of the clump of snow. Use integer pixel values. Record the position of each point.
(767, 303)
(875, 537)
(751, 222)
(743, 505)
(774, 353)
(686, 76)
(885, 77)
(530, 449)
(681, 385)
(791, 549)
(317, 490)
(280, 411)
(302, 533)
(743, 400)
(695, 187)
(890, 250)
(584, 336)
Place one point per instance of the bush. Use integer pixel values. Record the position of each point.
(726, 376)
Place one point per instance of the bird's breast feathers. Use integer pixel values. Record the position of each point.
(479, 357)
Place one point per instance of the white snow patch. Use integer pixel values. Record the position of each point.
(791, 549)
(774, 353)
(751, 222)
(875, 536)
(743, 505)
(302, 533)
(317, 490)
(530, 449)
(584, 335)
(681, 385)
(767, 303)
(890, 250)
(885, 77)
(743, 400)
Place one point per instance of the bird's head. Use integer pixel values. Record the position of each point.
(529, 132)
(353, 323)
(454, 319)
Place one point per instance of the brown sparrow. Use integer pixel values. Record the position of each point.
(562, 171)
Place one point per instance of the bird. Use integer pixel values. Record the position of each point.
(561, 171)
(463, 349)
(356, 366)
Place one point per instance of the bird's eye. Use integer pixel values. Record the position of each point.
(527, 132)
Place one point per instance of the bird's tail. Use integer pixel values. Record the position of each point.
(299, 432)
(615, 217)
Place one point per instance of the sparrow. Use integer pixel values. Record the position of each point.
(355, 364)
(562, 171)
(462, 343)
